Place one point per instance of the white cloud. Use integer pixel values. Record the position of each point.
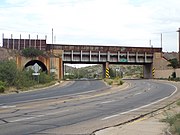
(122, 22)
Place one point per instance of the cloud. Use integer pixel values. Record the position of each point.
(121, 22)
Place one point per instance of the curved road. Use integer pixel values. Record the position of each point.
(57, 91)
(78, 116)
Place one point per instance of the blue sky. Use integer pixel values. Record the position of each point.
(99, 22)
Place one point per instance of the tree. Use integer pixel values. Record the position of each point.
(8, 72)
(31, 52)
(112, 73)
(2, 87)
(174, 64)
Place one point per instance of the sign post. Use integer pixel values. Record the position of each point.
(36, 69)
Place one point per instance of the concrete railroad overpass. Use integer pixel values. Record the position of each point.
(58, 54)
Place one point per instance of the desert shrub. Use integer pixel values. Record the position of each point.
(110, 82)
(174, 122)
(177, 126)
(8, 72)
(178, 103)
(24, 79)
(10, 76)
(120, 82)
(171, 120)
(31, 52)
(2, 87)
(173, 75)
(45, 78)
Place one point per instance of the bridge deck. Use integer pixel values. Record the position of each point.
(101, 54)
(96, 48)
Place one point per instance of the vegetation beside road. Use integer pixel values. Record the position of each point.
(32, 52)
(15, 79)
(174, 121)
(114, 81)
(174, 64)
(96, 71)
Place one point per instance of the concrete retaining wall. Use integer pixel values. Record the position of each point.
(166, 73)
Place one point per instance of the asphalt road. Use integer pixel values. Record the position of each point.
(57, 91)
(80, 115)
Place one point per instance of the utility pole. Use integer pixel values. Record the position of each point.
(161, 40)
(150, 43)
(52, 35)
(52, 39)
(51, 58)
(2, 39)
(179, 44)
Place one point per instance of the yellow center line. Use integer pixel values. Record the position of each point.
(136, 121)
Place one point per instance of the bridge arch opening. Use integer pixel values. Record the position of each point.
(36, 65)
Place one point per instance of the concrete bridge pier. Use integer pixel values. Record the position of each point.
(56, 66)
(106, 70)
(147, 71)
(61, 73)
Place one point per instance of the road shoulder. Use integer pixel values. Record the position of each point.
(150, 124)
(144, 126)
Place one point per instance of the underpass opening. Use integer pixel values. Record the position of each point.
(83, 71)
(36, 65)
(99, 71)
(126, 71)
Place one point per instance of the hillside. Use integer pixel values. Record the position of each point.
(7, 54)
(96, 71)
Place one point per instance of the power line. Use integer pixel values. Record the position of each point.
(164, 32)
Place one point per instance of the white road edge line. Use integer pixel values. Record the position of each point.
(106, 102)
(137, 93)
(29, 118)
(53, 97)
(109, 117)
(38, 116)
(7, 106)
(112, 116)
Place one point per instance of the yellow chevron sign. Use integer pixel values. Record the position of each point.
(153, 72)
(107, 72)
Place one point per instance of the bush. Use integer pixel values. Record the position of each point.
(10, 76)
(120, 82)
(69, 77)
(178, 103)
(177, 126)
(174, 79)
(171, 120)
(173, 75)
(31, 52)
(44, 78)
(2, 87)
(116, 81)
(174, 122)
(8, 72)
(2, 83)
(110, 82)
(24, 79)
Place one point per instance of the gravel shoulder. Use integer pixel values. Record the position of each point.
(144, 126)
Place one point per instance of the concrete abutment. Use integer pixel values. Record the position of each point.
(54, 63)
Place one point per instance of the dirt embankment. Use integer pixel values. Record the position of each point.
(6, 54)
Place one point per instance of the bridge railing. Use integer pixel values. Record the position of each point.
(97, 48)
